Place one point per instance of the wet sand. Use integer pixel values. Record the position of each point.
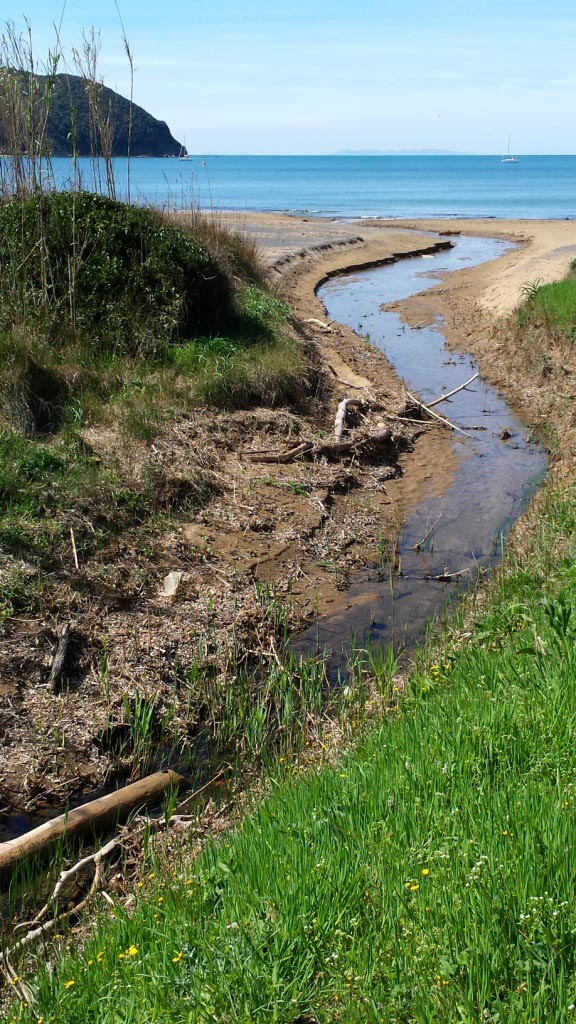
(545, 248)
(301, 252)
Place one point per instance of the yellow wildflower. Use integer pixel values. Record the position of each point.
(178, 957)
(68, 984)
(131, 951)
(425, 871)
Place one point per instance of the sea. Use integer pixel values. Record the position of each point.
(349, 186)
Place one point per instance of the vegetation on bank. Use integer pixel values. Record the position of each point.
(109, 314)
(424, 877)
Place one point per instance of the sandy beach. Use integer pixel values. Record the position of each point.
(301, 252)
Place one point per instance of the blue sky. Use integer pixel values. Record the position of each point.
(318, 76)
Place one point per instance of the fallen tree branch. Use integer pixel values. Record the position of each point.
(416, 547)
(358, 446)
(436, 416)
(65, 876)
(39, 927)
(342, 412)
(445, 577)
(289, 456)
(320, 323)
(444, 398)
(16, 981)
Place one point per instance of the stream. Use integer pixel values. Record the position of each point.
(462, 530)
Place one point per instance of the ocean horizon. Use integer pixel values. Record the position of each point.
(347, 186)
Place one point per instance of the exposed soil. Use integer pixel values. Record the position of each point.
(295, 529)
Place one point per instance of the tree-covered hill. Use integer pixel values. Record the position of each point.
(77, 108)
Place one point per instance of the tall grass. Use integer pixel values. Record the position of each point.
(26, 91)
(109, 313)
(553, 308)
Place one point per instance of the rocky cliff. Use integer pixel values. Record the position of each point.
(76, 107)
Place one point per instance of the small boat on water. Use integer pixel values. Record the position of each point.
(507, 157)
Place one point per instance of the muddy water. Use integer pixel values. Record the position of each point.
(459, 532)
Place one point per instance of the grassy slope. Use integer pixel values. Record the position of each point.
(151, 323)
(426, 878)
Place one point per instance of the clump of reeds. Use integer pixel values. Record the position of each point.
(26, 91)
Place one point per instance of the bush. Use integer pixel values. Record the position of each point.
(79, 264)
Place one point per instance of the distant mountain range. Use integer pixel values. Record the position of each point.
(70, 120)
(400, 152)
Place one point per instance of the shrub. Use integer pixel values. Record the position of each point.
(75, 263)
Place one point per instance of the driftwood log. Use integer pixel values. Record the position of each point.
(366, 445)
(91, 816)
(342, 412)
(48, 919)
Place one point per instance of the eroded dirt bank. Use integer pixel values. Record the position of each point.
(295, 529)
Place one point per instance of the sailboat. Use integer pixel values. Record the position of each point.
(508, 158)
(183, 155)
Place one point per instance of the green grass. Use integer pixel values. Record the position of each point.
(41, 482)
(78, 264)
(260, 363)
(553, 306)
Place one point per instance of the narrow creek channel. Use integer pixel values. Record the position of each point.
(488, 487)
(461, 530)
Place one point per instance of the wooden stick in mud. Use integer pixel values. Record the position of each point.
(74, 551)
(59, 658)
(436, 416)
(444, 398)
(91, 816)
